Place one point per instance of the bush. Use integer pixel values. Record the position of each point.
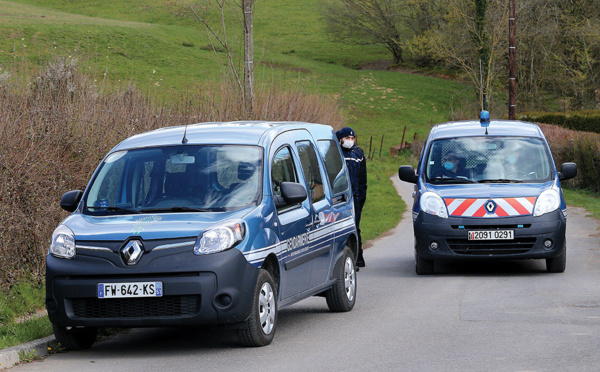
(582, 148)
(580, 121)
(57, 128)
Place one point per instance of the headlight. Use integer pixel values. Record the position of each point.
(63, 242)
(547, 202)
(432, 203)
(220, 238)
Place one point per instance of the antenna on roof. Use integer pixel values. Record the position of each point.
(184, 140)
(481, 82)
(484, 116)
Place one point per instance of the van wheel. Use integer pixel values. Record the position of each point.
(342, 296)
(558, 264)
(422, 266)
(259, 328)
(75, 338)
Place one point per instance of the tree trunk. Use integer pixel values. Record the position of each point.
(482, 42)
(512, 75)
(248, 57)
(396, 50)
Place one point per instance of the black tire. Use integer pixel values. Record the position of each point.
(342, 296)
(259, 328)
(422, 266)
(75, 338)
(558, 264)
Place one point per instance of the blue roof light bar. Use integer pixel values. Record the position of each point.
(484, 118)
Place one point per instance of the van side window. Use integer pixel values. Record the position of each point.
(282, 170)
(312, 171)
(334, 165)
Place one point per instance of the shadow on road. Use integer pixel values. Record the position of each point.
(164, 342)
(495, 268)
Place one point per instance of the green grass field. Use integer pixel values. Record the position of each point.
(141, 42)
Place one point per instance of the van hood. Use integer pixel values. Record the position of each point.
(490, 190)
(149, 226)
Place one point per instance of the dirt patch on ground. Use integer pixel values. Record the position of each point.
(381, 65)
(388, 65)
(285, 66)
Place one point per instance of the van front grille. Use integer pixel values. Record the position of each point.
(491, 247)
(146, 307)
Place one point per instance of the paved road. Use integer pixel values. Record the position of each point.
(485, 317)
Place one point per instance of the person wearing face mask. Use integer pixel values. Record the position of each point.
(357, 169)
(453, 166)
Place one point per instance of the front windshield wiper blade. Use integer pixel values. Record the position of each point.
(181, 209)
(117, 209)
(447, 179)
(500, 180)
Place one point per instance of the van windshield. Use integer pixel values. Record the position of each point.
(488, 160)
(177, 179)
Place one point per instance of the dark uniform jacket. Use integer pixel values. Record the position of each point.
(357, 167)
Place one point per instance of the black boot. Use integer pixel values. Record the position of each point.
(360, 261)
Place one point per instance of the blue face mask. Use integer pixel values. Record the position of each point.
(449, 165)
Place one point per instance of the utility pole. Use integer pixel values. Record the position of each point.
(248, 56)
(512, 73)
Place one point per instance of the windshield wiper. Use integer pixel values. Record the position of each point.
(447, 179)
(500, 180)
(117, 209)
(181, 209)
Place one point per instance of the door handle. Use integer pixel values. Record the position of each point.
(313, 224)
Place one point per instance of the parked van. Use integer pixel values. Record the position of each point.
(215, 223)
(488, 190)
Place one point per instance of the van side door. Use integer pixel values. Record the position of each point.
(291, 219)
(340, 217)
(320, 230)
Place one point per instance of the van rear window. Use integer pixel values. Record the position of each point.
(334, 164)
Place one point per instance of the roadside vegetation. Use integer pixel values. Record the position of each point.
(557, 55)
(77, 78)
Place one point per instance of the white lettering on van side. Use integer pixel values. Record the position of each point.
(297, 242)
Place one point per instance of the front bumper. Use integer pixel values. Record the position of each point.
(451, 236)
(209, 289)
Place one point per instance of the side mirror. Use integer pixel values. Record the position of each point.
(70, 200)
(291, 193)
(407, 174)
(567, 171)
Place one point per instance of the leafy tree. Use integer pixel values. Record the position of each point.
(367, 22)
(473, 37)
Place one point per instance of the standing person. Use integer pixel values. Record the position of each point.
(357, 167)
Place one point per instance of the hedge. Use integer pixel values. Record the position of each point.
(579, 147)
(584, 121)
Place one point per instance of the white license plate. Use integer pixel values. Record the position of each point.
(136, 289)
(492, 235)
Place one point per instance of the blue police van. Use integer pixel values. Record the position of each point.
(214, 223)
(488, 190)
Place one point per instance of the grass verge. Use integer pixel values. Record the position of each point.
(19, 319)
(584, 199)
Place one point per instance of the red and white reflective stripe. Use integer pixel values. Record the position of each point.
(504, 207)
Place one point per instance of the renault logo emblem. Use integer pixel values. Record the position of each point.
(490, 206)
(132, 252)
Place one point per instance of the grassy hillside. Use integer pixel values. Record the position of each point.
(142, 43)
